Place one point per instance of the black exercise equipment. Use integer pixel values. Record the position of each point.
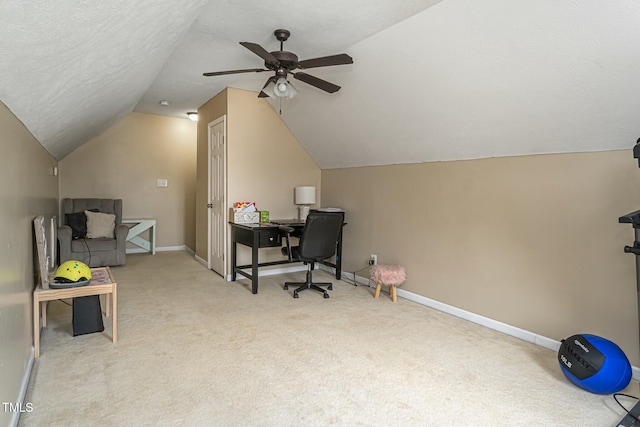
(633, 218)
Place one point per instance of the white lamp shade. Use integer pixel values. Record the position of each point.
(273, 89)
(305, 195)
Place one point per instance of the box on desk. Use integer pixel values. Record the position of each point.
(244, 217)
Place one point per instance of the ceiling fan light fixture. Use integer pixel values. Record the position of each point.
(292, 91)
(284, 89)
(280, 89)
(268, 90)
(283, 63)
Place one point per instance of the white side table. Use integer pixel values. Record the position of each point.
(141, 226)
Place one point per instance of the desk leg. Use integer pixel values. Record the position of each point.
(254, 262)
(36, 326)
(234, 252)
(339, 257)
(114, 314)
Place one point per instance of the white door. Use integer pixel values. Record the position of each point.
(217, 186)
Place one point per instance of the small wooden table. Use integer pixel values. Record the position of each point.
(102, 282)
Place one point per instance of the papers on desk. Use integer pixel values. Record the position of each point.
(330, 210)
(288, 221)
(245, 207)
(334, 210)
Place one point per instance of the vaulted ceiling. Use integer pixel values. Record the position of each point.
(431, 80)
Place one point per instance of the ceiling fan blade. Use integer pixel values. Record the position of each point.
(261, 52)
(222, 73)
(319, 83)
(326, 61)
(262, 94)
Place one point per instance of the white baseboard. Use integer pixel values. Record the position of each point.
(201, 260)
(158, 249)
(189, 250)
(15, 417)
(513, 331)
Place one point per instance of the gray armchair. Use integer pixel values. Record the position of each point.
(95, 252)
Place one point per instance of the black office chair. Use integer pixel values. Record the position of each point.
(317, 242)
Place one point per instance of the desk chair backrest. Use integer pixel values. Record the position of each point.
(320, 235)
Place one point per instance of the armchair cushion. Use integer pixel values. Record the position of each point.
(94, 245)
(100, 224)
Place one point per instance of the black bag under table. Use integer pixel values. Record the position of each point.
(87, 315)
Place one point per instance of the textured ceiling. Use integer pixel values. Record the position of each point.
(318, 28)
(71, 69)
(431, 80)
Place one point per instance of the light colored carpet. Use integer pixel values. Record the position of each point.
(195, 350)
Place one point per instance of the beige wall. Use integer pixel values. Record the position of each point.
(29, 189)
(126, 160)
(265, 162)
(532, 241)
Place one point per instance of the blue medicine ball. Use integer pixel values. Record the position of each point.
(594, 364)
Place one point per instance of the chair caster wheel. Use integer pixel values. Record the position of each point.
(326, 295)
(295, 295)
(330, 287)
(286, 287)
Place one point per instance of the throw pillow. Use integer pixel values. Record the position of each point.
(100, 224)
(78, 223)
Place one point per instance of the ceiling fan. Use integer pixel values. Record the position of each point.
(282, 63)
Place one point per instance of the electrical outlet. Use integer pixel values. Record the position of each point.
(373, 260)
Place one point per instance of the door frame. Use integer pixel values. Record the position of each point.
(221, 119)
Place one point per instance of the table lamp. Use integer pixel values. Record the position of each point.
(304, 196)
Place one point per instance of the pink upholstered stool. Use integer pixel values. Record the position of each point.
(390, 275)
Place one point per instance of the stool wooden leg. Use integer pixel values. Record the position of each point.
(43, 313)
(394, 295)
(378, 288)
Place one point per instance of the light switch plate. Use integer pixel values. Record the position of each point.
(163, 182)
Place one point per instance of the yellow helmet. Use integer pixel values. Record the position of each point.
(72, 272)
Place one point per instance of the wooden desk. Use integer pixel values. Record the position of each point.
(102, 282)
(267, 235)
